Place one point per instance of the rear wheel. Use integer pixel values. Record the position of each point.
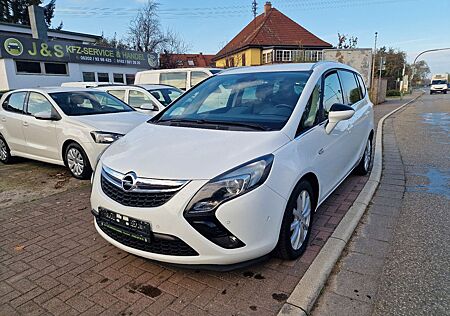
(297, 220)
(78, 162)
(364, 165)
(5, 153)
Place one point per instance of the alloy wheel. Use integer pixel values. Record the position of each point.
(75, 161)
(3, 150)
(302, 218)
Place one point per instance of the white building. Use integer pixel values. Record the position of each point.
(30, 57)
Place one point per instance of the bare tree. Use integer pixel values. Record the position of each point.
(346, 42)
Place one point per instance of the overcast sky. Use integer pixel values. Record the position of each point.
(411, 25)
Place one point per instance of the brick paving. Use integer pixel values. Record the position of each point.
(52, 262)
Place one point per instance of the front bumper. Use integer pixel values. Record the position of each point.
(255, 218)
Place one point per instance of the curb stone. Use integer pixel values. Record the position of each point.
(308, 289)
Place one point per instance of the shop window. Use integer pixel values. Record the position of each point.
(103, 77)
(88, 76)
(118, 78)
(28, 67)
(55, 68)
(129, 78)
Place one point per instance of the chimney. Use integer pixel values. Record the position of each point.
(37, 22)
(267, 7)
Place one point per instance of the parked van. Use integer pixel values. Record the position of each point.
(182, 78)
(87, 84)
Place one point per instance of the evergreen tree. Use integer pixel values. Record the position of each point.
(16, 11)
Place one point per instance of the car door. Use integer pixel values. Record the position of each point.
(337, 149)
(357, 129)
(12, 119)
(40, 135)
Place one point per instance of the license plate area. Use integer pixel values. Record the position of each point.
(125, 225)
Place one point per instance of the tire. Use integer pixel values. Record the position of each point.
(288, 246)
(77, 162)
(365, 164)
(5, 153)
(431, 92)
(445, 92)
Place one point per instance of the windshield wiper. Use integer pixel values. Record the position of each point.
(241, 124)
(217, 123)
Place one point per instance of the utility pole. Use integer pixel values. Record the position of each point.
(373, 63)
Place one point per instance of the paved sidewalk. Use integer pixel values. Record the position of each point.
(52, 262)
(396, 263)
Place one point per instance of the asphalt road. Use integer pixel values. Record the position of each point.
(416, 274)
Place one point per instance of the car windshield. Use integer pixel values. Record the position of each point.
(255, 101)
(88, 103)
(166, 95)
(439, 82)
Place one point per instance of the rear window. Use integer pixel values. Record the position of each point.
(14, 103)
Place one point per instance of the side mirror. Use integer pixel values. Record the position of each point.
(46, 116)
(338, 112)
(149, 107)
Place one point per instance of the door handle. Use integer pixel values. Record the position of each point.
(321, 151)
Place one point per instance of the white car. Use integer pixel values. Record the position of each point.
(149, 99)
(207, 182)
(64, 126)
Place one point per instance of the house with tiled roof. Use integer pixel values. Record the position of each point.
(271, 37)
(185, 60)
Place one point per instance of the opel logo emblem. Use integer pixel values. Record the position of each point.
(129, 181)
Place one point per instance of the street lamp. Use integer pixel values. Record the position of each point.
(413, 66)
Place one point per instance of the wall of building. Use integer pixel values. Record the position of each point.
(252, 58)
(9, 79)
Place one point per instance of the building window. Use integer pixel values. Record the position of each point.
(28, 67)
(243, 59)
(103, 77)
(118, 78)
(286, 55)
(129, 78)
(279, 55)
(55, 68)
(298, 55)
(88, 76)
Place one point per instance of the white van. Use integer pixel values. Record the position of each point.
(182, 78)
(87, 84)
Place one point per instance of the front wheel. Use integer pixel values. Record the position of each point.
(297, 220)
(364, 165)
(78, 162)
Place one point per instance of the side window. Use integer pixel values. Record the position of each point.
(310, 116)
(137, 98)
(37, 103)
(351, 87)
(331, 92)
(362, 85)
(119, 94)
(15, 102)
(197, 76)
(176, 79)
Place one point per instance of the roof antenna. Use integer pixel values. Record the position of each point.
(254, 8)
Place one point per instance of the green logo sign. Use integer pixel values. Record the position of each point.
(13, 47)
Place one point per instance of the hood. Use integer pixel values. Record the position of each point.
(181, 153)
(120, 123)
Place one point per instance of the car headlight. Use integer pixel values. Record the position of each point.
(229, 185)
(105, 137)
